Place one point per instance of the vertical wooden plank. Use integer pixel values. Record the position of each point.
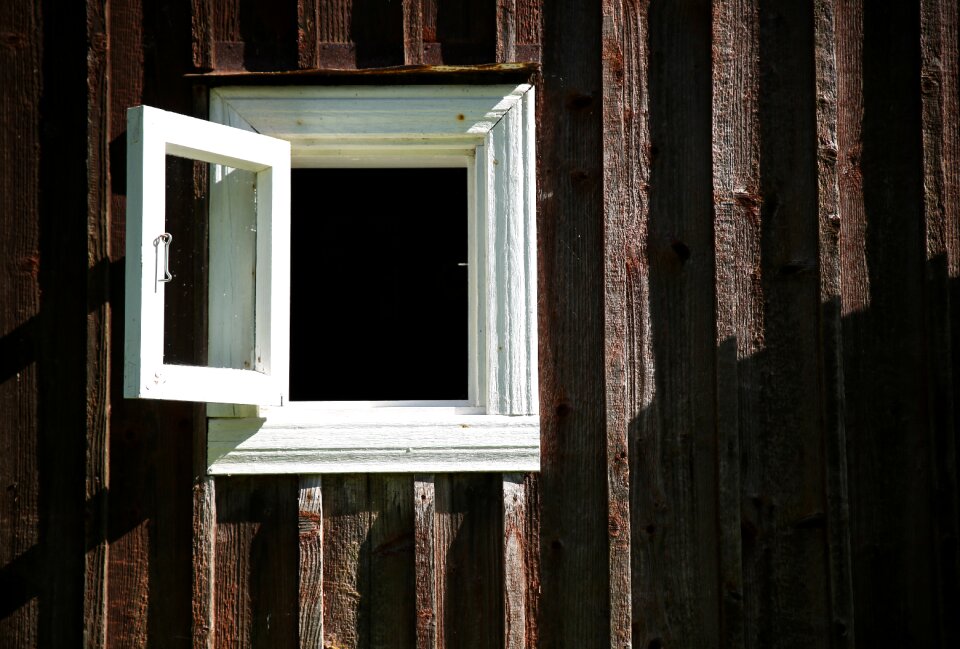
(529, 27)
(784, 504)
(311, 562)
(673, 443)
(531, 551)
(941, 202)
(98, 327)
(831, 346)
(574, 533)
(204, 562)
(506, 50)
(256, 562)
(413, 32)
(392, 563)
(514, 562)
(308, 26)
(887, 427)
(739, 317)
(627, 332)
(202, 34)
(20, 560)
(346, 527)
(424, 509)
(468, 560)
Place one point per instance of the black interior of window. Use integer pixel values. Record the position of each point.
(378, 304)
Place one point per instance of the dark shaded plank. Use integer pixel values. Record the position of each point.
(20, 554)
(466, 31)
(574, 603)
(311, 562)
(468, 560)
(256, 562)
(941, 203)
(626, 324)
(831, 345)
(739, 317)
(531, 551)
(251, 35)
(392, 586)
(784, 504)
(888, 444)
(673, 440)
(98, 327)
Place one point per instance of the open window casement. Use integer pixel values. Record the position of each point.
(258, 374)
(485, 133)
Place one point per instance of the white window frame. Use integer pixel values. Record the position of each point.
(489, 130)
(152, 134)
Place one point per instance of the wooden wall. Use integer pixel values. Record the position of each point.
(749, 271)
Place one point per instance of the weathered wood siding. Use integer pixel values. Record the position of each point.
(749, 272)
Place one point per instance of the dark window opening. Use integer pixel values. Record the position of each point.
(378, 305)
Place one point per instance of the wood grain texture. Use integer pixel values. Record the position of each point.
(98, 327)
(673, 445)
(506, 31)
(784, 501)
(884, 371)
(20, 552)
(574, 604)
(427, 602)
(204, 563)
(256, 562)
(308, 29)
(739, 319)
(842, 629)
(311, 562)
(941, 203)
(515, 569)
(630, 368)
(413, 32)
(368, 555)
(468, 560)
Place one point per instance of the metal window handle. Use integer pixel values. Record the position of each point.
(164, 239)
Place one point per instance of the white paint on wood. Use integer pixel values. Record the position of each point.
(490, 131)
(153, 134)
(374, 442)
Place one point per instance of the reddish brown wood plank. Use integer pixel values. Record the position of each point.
(468, 560)
(98, 328)
(673, 446)
(630, 366)
(886, 408)
(392, 580)
(831, 372)
(515, 569)
(739, 319)
(311, 562)
(204, 563)
(256, 562)
(529, 22)
(308, 26)
(506, 31)
(784, 499)
(347, 521)
(20, 554)
(574, 537)
(413, 32)
(424, 508)
(941, 201)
